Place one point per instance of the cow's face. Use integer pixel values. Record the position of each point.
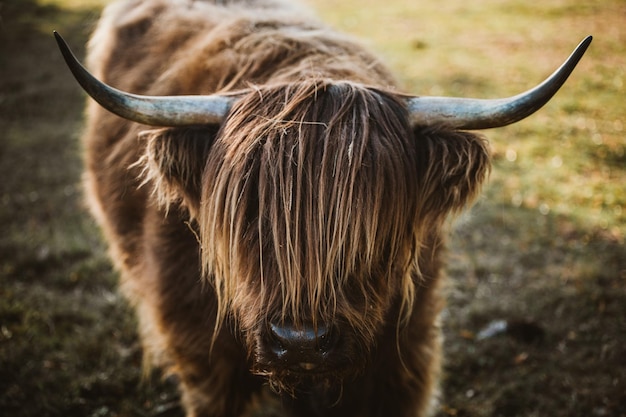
(311, 203)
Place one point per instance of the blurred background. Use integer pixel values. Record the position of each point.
(536, 319)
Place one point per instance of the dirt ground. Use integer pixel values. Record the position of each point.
(536, 318)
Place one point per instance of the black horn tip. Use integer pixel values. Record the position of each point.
(60, 41)
(584, 44)
(69, 57)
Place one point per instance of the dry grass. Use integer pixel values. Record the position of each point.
(543, 250)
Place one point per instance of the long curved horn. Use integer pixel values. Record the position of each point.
(150, 110)
(474, 114)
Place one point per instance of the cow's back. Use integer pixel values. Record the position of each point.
(176, 47)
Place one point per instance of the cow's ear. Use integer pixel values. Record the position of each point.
(452, 166)
(173, 162)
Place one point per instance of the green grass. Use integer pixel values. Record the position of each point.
(543, 247)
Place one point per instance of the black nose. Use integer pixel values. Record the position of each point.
(301, 348)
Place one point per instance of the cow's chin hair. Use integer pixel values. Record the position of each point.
(328, 385)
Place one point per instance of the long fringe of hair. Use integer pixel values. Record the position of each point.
(309, 199)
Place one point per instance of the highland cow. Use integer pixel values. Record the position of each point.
(279, 229)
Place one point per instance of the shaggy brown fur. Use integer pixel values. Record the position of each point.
(314, 202)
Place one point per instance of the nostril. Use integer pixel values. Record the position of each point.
(302, 340)
(274, 342)
(327, 341)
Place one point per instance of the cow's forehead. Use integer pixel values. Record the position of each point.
(320, 105)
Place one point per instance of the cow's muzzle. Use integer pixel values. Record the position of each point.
(300, 349)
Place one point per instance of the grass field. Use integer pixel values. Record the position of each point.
(542, 251)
